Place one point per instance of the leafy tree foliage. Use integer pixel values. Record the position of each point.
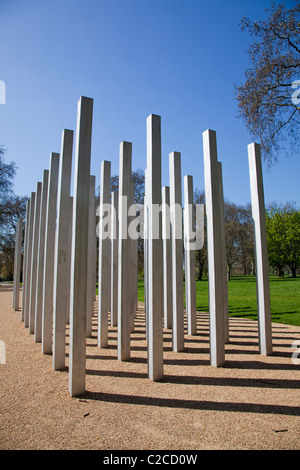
(11, 208)
(265, 99)
(283, 232)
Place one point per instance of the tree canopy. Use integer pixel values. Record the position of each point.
(265, 99)
(138, 178)
(11, 208)
(7, 174)
(283, 233)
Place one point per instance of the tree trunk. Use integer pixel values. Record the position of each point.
(293, 268)
(200, 262)
(200, 270)
(280, 272)
(253, 268)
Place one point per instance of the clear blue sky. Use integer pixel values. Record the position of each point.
(176, 58)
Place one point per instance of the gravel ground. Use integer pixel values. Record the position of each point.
(250, 403)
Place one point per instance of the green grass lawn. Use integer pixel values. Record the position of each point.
(285, 298)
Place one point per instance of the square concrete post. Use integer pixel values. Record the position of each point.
(224, 258)
(135, 276)
(155, 250)
(41, 261)
(177, 251)
(25, 259)
(77, 350)
(124, 253)
(190, 271)
(61, 259)
(91, 272)
(167, 256)
(29, 259)
(49, 255)
(261, 250)
(104, 271)
(17, 264)
(114, 257)
(214, 247)
(133, 257)
(146, 261)
(34, 258)
(69, 255)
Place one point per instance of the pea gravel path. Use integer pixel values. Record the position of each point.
(251, 403)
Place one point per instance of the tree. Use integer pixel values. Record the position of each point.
(231, 235)
(201, 255)
(7, 174)
(246, 239)
(293, 240)
(283, 235)
(138, 177)
(11, 208)
(265, 99)
(239, 237)
(14, 208)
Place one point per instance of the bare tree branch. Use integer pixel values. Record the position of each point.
(265, 99)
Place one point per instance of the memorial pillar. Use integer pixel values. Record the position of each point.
(35, 246)
(167, 256)
(69, 255)
(77, 350)
(155, 250)
(17, 264)
(146, 261)
(177, 248)
(29, 260)
(134, 279)
(91, 283)
(104, 272)
(25, 259)
(114, 257)
(133, 256)
(41, 261)
(224, 258)
(261, 250)
(190, 271)
(214, 248)
(61, 259)
(124, 253)
(49, 255)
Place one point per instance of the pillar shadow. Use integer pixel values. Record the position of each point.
(232, 382)
(243, 335)
(5, 287)
(192, 404)
(117, 373)
(201, 380)
(258, 365)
